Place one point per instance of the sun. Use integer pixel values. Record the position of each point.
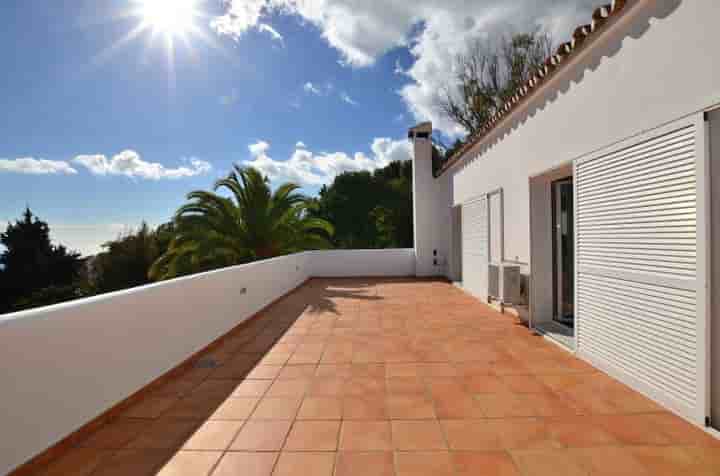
(170, 17)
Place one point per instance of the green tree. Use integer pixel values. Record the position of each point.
(212, 231)
(126, 261)
(31, 263)
(370, 210)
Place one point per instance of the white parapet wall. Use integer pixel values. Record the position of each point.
(353, 263)
(64, 365)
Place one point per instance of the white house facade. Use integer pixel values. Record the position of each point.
(591, 205)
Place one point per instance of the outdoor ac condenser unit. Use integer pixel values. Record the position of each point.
(504, 283)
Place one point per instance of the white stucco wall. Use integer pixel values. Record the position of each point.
(349, 263)
(64, 365)
(656, 64)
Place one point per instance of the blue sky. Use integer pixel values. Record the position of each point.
(99, 134)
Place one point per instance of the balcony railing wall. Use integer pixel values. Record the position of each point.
(63, 365)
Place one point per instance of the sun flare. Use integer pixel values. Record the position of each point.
(170, 17)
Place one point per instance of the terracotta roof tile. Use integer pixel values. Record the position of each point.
(580, 35)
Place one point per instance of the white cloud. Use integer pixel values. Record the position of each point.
(130, 164)
(311, 88)
(272, 32)
(300, 145)
(29, 165)
(307, 168)
(243, 16)
(364, 31)
(346, 98)
(258, 148)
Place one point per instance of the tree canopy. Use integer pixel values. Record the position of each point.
(31, 263)
(213, 231)
(370, 210)
(489, 74)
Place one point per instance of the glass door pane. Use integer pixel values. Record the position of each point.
(564, 252)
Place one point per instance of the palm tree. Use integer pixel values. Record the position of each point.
(213, 231)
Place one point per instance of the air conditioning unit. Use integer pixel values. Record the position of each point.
(504, 283)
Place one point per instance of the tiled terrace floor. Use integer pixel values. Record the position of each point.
(392, 378)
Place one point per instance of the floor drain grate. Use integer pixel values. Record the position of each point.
(206, 364)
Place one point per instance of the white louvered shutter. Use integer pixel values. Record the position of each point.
(636, 255)
(475, 247)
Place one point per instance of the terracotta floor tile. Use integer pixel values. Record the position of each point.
(276, 408)
(471, 435)
(372, 370)
(504, 405)
(320, 408)
(262, 435)
(681, 432)
(447, 387)
(195, 406)
(77, 462)
(327, 387)
(365, 435)
(305, 464)
(493, 463)
(405, 386)
(376, 463)
(164, 433)
(264, 372)
(632, 429)
(190, 463)
(548, 404)
(578, 432)
(116, 434)
(218, 388)
(364, 386)
(233, 369)
(133, 462)
(457, 406)
(150, 407)
(310, 435)
(334, 370)
(176, 387)
(668, 461)
(414, 435)
(235, 408)
(437, 370)
(709, 458)
(409, 407)
(548, 463)
(485, 384)
(297, 371)
(523, 434)
(275, 358)
(288, 388)
(213, 435)
(523, 384)
(246, 464)
(436, 463)
(402, 370)
(609, 461)
(251, 388)
(364, 408)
